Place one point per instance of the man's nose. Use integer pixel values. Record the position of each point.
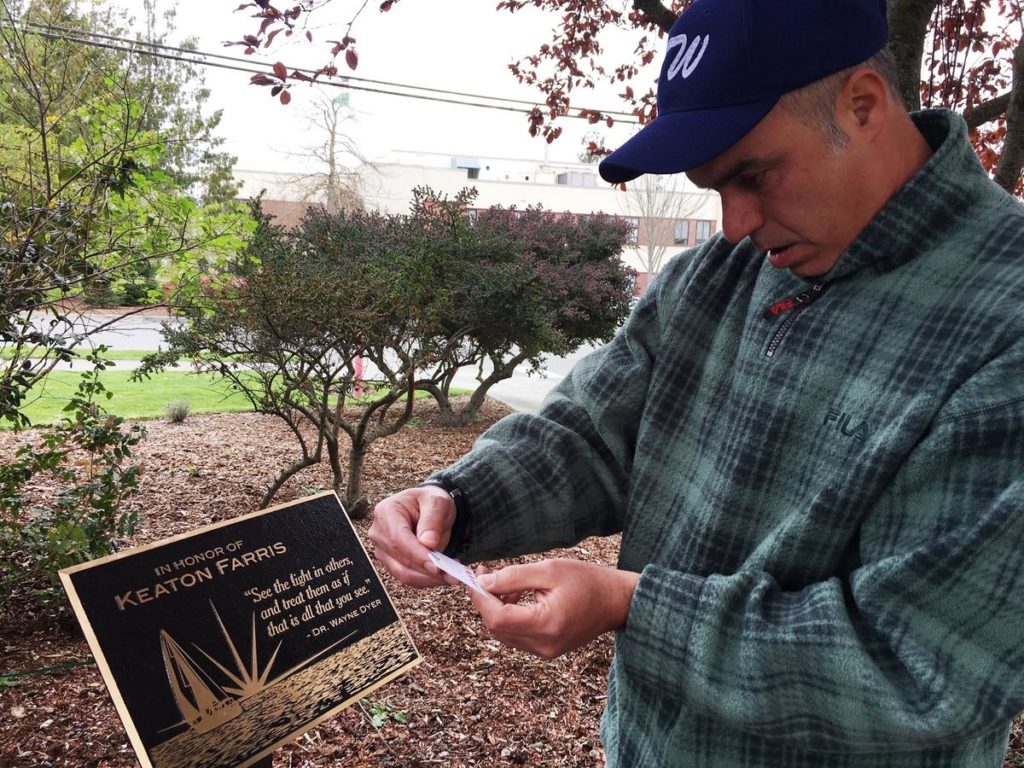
(741, 215)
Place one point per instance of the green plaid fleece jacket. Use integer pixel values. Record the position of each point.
(822, 487)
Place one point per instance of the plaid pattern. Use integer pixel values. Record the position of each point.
(831, 538)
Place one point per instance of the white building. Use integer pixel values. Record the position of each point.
(668, 213)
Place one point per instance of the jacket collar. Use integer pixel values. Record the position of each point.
(930, 203)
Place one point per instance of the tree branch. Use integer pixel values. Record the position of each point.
(987, 110)
(656, 13)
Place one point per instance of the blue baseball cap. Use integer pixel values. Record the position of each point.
(727, 64)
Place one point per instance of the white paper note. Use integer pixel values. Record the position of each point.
(454, 568)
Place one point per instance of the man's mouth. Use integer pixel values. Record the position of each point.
(778, 256)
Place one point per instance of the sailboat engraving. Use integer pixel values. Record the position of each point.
(203, 703)
(202, 709)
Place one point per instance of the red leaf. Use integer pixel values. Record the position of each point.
(280, 71)
(309, 36)
(351, 58)
(285, 97)
(386, 6)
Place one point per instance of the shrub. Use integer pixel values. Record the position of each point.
(177, 411)
(87, 453)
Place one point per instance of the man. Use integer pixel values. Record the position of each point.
(810, 431)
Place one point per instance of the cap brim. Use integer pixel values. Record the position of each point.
(678, 141)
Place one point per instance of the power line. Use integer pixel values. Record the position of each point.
(234, 63)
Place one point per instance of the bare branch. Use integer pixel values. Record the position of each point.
(987, 110)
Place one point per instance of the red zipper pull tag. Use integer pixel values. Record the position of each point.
(797, 301)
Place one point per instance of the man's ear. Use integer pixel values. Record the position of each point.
(863, 104)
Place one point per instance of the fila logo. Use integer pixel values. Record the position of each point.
(686, 59)
(844, 426)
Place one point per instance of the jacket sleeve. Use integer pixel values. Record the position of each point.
(537, 481)
(921, 645)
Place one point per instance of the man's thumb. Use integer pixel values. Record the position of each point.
(435, 518)
(507, 580)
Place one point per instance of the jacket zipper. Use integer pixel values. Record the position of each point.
(792, 306)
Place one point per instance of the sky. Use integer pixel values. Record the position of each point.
(457, 45)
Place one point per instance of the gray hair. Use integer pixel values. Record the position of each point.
(815, 104)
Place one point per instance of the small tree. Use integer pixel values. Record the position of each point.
(658, 202)
(286, 327)
(524, 283)
(333, 182)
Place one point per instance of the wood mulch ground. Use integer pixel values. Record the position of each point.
(473, 702)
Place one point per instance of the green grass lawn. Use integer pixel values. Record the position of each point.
(137, 400)
(143, 399)
(111, 354)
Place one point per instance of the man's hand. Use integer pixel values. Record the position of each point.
(574, 602)
(406, 526)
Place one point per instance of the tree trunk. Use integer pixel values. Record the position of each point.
(444, 403)
(1012, 160)
(468, 414)
(356, 504)
(908, 27)
(334, 457)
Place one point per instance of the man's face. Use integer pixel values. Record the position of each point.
(792, 191)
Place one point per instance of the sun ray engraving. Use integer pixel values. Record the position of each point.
(248, 682)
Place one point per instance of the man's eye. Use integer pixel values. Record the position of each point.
(753, 180)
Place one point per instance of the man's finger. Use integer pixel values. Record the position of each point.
(506, 621)
(411, 577)
(437, 513)
(516, 579)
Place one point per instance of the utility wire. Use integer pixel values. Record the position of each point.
(234, 63)
(248, 62)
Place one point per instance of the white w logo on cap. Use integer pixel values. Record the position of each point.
(686, 59)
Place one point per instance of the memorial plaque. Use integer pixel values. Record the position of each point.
(221, 644)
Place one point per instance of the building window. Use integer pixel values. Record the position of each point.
(577, 179)
(703, 230)
(472, 173)
(682, 234)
